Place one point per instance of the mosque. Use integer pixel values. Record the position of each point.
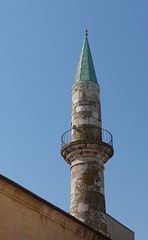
(86, 147)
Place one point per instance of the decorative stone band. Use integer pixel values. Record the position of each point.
(73, 149)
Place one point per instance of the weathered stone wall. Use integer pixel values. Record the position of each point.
(24, 217)
(87, 160)
(87, 191)
(86, 108)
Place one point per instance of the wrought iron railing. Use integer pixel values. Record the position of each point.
(90, 134)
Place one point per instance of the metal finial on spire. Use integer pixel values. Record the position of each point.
(86, 34)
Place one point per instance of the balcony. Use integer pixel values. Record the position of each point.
(87, 133)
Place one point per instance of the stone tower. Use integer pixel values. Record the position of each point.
(87, 147)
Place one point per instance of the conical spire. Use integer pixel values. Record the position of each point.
(85, 70)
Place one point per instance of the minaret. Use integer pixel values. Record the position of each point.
(87, 147)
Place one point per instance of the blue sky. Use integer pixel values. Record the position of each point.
(40, 45)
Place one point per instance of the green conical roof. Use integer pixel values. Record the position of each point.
(85, 70)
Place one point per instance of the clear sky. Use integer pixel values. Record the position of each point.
(40, 45)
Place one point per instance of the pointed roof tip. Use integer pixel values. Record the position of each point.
(85, 71)
(86, 32)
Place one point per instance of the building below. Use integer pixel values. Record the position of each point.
(26, 216)
(117, 230)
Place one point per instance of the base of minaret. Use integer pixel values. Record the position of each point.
(87, 181)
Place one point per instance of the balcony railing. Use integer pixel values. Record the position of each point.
(90, 134)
